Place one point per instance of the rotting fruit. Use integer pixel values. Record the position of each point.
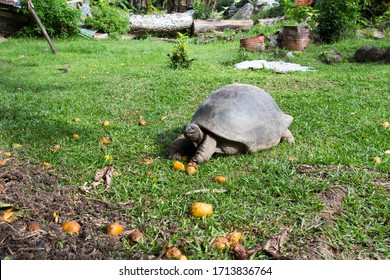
(173, 253)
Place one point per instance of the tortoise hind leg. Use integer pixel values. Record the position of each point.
(205, 150)
(287, 135)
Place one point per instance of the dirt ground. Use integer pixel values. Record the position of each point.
(34, 191)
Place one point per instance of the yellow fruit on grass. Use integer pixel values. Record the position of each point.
(106, 123)
(377, 160)
(200, 209)
(71, 227)
(76, 119)
(234, 237)
(385, 124)
(219, 179)
(182, 258)
(7, 154)
(177, 165)
(75, 136)
(114, 229)
(191, 170)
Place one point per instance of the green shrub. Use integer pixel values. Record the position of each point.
(336, 19)
(179, 53)
(109, 19)
(58, 18)
(202, 10)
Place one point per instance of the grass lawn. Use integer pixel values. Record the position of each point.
(325, 191)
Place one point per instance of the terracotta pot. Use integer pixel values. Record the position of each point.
(303, 2)
(295, 38)
(253, 44)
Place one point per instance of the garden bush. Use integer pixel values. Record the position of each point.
(58, 18)
(107, 18)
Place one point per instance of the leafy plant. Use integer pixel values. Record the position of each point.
(298, 13)
(109, 19)
(202, 10)
(58, 18)
(179, 53)
(336, 19)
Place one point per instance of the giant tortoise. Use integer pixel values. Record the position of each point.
(236, 118)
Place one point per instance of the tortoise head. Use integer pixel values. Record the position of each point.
(193, 133)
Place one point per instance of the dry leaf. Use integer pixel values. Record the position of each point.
(142, 123)
(10, 215)
(146, 160)
(3, 163)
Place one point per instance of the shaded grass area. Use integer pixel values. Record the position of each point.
(337, 110)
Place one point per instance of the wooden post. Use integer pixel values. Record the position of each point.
(32, 11)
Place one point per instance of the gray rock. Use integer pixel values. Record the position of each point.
(331, 57)
(368, 54)
(245, 12)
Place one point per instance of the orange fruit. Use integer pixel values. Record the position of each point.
(177, 165)
(75, 136)
(200, 209)
(219, 179)
(114, 229)
(71, 227)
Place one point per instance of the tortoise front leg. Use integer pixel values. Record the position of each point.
(180, 147)
(205, 150)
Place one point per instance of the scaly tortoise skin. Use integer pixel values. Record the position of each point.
(236, 118)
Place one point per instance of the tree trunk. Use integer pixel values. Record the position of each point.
(202, 26)
(160, 23)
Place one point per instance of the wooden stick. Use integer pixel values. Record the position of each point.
(31, 9)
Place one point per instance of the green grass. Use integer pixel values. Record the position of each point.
(337, 110)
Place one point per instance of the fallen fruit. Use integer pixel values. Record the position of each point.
(75, 136)
(376, 160)
(72, 227)
(33, 226)
(234, 237)
(106, 123)
(7, 154)
(385, 124)
(105, 140)
(219, 179)
(3, 162)
(76, 119)
(46, 165)
(191, 170)
(173, 254)
(55, 148)
(200, 209)
(135, 237)
(220, 243)
(114, 229)
(177, 165)
(182, 258)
